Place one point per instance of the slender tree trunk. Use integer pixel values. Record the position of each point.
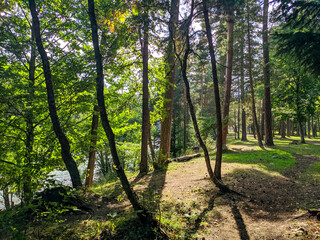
(151, 148)
(5, 195)
(217, 181)
(288, 127)
(228, 80)
(165, 133)
(244, 127)
(283, 128)
(93, 145)
(64, 143)
(262, 119)
(314, 128)
(144, 215)
(302, 140)
(217, 170)
(253, 104)
(238, 117)
(145, 97)
(266, 72)
(185, 119)
(309, 128)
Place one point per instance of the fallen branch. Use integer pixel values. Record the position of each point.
(185, 158)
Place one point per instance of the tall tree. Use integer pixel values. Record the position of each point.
(166, 116)
(145, 92)
(268, 140)
(217, 169)
(229, 9)
(64, 143)
(144, 215)
(183, 63)
(253, 104)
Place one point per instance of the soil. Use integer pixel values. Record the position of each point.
(275, 207)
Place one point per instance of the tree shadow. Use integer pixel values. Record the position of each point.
(202, 215)
(272, 196)
(239, 221)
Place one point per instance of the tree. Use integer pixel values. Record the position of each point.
(144, 215)
(229, 9)
(93, 146)
(266, 72)
(145, 94)
(253, 105)
(217, 169)
(64, 143)
(166, 116)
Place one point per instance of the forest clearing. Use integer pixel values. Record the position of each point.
(279, 184)
(159, 119)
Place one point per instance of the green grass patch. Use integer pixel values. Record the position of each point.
(269, 159)
(312, 175)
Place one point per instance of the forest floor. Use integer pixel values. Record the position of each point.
(280, 185)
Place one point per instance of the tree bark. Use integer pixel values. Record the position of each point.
(5, 195)
(92, 153)
(166, 118)
(217, 170)
(268, 140)
(145, 96)
(64, 143)
(228, 79)
(283, 128)
(253, 104)
(244, 127)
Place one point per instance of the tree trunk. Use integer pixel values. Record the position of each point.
(228, 79)
(302, 140)
(244, 126)
(64, 143)
(288, 127)
(185, 119)
(183, 63)
(283, 128)
(253, 104)
(309, 128)
(92, 153)
(5, 195)
(268, 140)
(145, 96)
(165, 133)
(262, 119)
(217, 170)
(144, 215)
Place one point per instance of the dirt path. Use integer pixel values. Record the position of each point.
(274, 201)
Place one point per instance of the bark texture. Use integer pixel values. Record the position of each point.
(166, 118)
(92, 153)
(145, 96)
(253, 103)
(64, 143)
(217, 170)
(268, 140)
(228, 79)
